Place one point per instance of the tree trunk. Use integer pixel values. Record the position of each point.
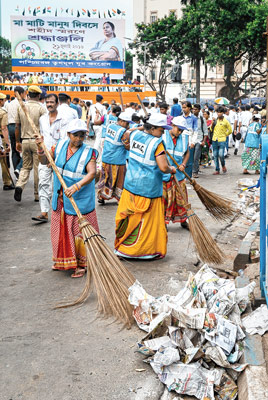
(197, 73)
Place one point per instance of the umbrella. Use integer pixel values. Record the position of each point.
(222, 100)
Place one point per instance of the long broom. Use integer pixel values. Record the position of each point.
(206, 247)
(109, 276)
(219, 207)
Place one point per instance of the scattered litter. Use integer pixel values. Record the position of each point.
(194, 340)
(140, 369)
(257, 321)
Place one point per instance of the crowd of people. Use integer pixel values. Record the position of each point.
(131, 149)
(56, 82)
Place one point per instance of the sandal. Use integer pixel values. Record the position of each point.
(78, 273)
(40, 218)
(245, 172)
(185, 225)
(54, 268)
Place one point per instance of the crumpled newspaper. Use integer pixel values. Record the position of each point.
(194, 340)
(257, 321)
(191, 379)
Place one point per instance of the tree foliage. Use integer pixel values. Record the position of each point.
(213, 32)
(5, 55)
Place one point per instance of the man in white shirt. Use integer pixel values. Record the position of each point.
(199, 138)
(233, 122)
(243, 123)
(65, 111)
(52, 128)
(96, 111)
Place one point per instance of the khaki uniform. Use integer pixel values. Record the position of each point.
(29, 149)
(5, 175)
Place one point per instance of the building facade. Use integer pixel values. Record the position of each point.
(148, 11)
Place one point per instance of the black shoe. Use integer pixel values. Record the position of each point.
(8, 187)
(235, 152)
(101, 201)
(17, 194)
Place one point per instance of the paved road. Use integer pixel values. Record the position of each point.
(71, 354)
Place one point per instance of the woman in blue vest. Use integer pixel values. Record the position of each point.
(177, 145)
(114, 155)
(76, 162)
(251, 155)
(140, 222)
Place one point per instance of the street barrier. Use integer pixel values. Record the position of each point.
(263, 218)
(89, 92)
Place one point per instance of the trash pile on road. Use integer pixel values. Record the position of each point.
(249, 198)
(194, 340)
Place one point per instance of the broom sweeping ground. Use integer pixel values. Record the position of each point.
(219, 207)
(108, 275)
(207, 249)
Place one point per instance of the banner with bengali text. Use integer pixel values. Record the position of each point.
(55, 44)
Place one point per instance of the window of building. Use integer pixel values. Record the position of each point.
(153, 16)
(153, 74)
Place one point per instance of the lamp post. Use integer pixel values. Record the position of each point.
(146, 44)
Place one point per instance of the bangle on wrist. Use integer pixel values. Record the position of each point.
(183, 165)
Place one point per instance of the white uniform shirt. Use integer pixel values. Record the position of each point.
(52, 132)
(245, 118)
(92, 110)
(12, 110)
(67, 113)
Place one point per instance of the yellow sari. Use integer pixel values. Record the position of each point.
(140, 225)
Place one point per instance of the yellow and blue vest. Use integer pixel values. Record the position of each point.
(108, 119)
(72, 172)
(143, 176)
(177, 152)
(253, 139)
(114, 151)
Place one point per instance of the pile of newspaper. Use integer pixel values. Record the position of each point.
(194, 340)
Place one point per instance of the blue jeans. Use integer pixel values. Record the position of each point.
(218, 153)
(189, 166)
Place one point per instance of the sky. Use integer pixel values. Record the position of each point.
(8, 8)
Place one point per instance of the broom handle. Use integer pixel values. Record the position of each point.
(121, 98)
(48, 155)
(175, 162)
(142, 105)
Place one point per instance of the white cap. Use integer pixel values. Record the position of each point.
(157, 119)
(179, 122)
(257, 116)
(76, 125)
(124, 116)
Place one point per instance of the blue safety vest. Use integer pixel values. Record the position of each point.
(72, 172)
(177, 151)
(143, 176)
(253, 138)
(114, 151)
(108, 119)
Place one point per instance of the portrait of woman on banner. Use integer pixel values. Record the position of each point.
(110, 48)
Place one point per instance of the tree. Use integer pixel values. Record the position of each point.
(235, 36)
(158, 54)
(215, 32)
(129, 65)
(5, 55)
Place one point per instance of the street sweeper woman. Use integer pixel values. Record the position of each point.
(140, 222)
(176, 142)
(76, 162)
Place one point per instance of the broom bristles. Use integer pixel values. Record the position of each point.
(219, 207)
(110, 278)
(206, 247)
